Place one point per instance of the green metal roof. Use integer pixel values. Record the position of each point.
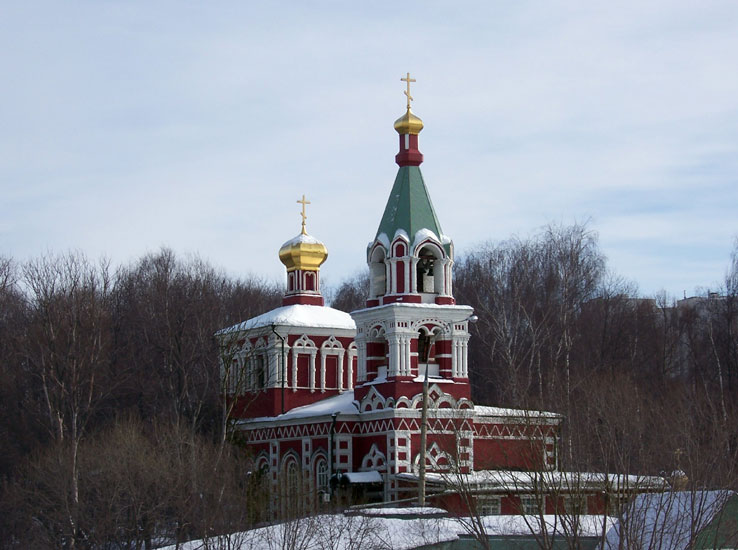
(409, 207)
(722, 531)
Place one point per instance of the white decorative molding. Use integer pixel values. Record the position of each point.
(374, 459)
(441, 398)
(332, 347)
(437, 460)
(304, 345)
(373, 401)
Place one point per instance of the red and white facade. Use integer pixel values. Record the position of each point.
(328, 393)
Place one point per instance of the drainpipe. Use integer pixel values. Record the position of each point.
(281, 364)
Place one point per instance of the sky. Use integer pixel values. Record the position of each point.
(128, 126)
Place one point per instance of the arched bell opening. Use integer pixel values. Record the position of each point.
(430, 271)
(377, 273)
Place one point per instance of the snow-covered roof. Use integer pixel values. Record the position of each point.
(363, 477)
(406, 512)
(519, 525)
(665, 520)
(483, 410)
(302, 238)
(297, 315)
(411, 305)
(344, 532)
(342, 404)
(505, 480)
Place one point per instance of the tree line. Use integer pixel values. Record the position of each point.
(647, 385)
(110, 402)
(110, 394)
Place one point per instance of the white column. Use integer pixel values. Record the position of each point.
(294, 370)
(408, 278)
(351, 355)
(394, 354)
(393, 271)
(312, 379)
(388, 278)
(340, 370)
(406, 354)
(465, 357)
(313, 352)
(361, 361)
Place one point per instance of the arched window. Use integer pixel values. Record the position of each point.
(290, 485)
(310, 281)
(426, 351)
(260, 374)
(292, 478)
(378, 273)
(423, 346)
(321, 475)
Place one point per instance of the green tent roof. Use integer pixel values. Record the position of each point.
(409, 207)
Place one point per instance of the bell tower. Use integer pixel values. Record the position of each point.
(411, 323)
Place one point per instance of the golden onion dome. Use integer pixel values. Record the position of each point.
(303, 252)
(408, 124)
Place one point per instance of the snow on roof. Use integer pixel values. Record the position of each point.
(425, 306)
(383, 240)
(588, 525)
(668, 520)
(423, 234)
(341, 531)
(401, 233)
(406, 512)
(342, 404)
(297, 315)
(483, 410)
(505, 480)
(363, 477)
(302, 238)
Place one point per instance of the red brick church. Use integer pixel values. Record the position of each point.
(321, 394)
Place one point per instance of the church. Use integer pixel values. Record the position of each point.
(377, 403)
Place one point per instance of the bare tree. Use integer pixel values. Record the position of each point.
(67, 352)
(352, 293)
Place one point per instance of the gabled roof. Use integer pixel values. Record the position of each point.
(409, 207)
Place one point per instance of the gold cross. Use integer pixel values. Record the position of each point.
(304, 216)
(407, 92)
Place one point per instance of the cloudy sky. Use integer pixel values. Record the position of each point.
(127, 126)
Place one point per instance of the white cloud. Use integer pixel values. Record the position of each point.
(128, 126)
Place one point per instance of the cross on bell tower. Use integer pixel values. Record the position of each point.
(304, 216)
(411, 324)
(407, 92)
